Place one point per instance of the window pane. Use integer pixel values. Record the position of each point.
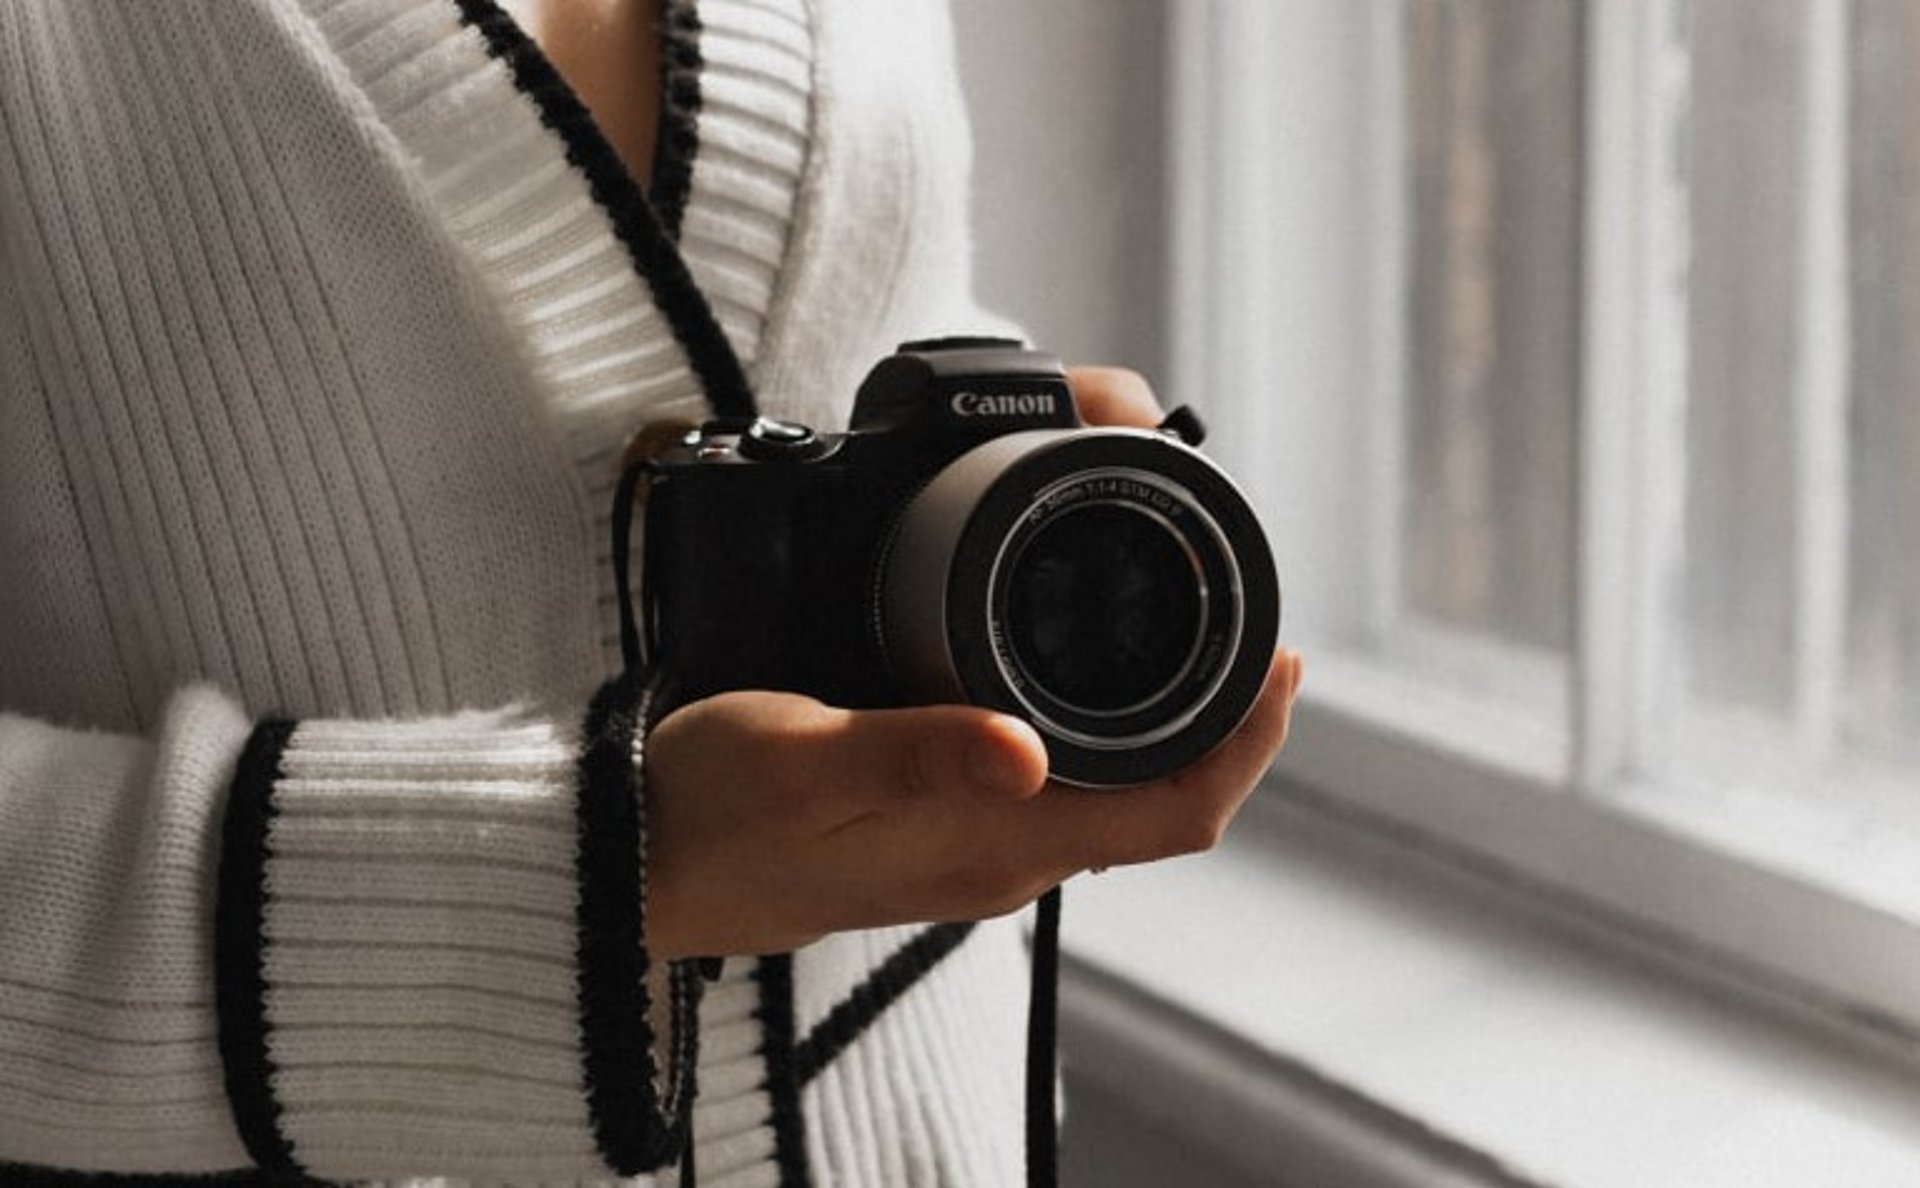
(1493, 103)
(1744, 164)
(1882, 706)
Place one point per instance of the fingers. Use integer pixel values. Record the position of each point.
(1252, 747)
(1186, 813)
(857, 759)
(990, 859)
(1114, 396)
(774, 818)
(926, 752)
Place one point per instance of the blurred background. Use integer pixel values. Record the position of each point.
(1069, 103)
(1569, 351)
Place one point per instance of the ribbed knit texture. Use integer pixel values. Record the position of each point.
(592, 333)
(108, 1031)
(252, 423)
(755, 95)
(315, 351)
(600, 346)
(953, 1017)
(419, 950)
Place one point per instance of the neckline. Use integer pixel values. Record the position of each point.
(676, 141)
(649, 233)
(670, 30)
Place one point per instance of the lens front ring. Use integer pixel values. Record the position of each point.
(936, 587)
(1208, 572)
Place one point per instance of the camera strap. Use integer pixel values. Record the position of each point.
(634, 470)
(1043, 1009)
(638, 670)
(1042, 1124)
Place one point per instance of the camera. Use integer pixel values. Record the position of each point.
(968, 540)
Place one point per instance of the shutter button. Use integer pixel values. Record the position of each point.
(768, 440)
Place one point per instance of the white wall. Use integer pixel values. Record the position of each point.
(1066, 98)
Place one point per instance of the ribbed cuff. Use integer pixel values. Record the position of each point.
(415, 964)
(239, 970)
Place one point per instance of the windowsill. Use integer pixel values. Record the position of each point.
(1333, 973)
(1821, 915)
(1515, 721)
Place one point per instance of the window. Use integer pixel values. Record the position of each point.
(1573, 354)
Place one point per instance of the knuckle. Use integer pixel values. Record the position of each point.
(1014, 897)
(919, 771)
(987, 886)
(1197, 833)
(968, 885)
(1115, 394)
(1137, 389)
(852, 910)
(798, 939)
(1010, 903)
(1111, 376)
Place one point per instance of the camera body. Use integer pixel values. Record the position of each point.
(968, 539)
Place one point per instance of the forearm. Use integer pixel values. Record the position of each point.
(361, 958)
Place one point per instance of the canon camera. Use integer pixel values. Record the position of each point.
(970, 540)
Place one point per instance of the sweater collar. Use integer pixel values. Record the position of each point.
(628, 306)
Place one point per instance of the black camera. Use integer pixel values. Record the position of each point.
(968, 540)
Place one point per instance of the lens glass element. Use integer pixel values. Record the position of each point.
(1104, 607)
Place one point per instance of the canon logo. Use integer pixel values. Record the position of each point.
(1003, 404)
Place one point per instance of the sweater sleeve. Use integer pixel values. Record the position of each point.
(358, 949)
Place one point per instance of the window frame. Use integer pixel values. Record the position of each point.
(1739, 884)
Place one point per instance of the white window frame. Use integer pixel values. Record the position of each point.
(1287, 254)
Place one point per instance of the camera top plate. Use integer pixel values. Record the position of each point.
(965, 387)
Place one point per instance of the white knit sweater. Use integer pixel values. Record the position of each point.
(322, 323)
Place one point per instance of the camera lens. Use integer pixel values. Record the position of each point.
(1113, 608)
(1104, 607)
(1110, 586)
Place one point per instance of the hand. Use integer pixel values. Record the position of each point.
(774, 820)
(1114, 396)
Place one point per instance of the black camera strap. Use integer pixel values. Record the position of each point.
(626, 494)
(1043, 1008)
(1042, 1137)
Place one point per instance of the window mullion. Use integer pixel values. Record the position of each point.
(1820, 432)
(1192, 181)
(1389, 195)
(1272, 260)
(1632, 484)
(1666, 318)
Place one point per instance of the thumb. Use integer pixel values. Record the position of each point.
(925, 751)
(851, 758)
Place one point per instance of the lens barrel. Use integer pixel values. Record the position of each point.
(1111, 586)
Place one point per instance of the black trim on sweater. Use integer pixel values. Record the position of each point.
(774, 975)
(635, 1129)
(793, 1064)
(857, 1012)
(240, 980)
(635, 222)
(677, 143)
